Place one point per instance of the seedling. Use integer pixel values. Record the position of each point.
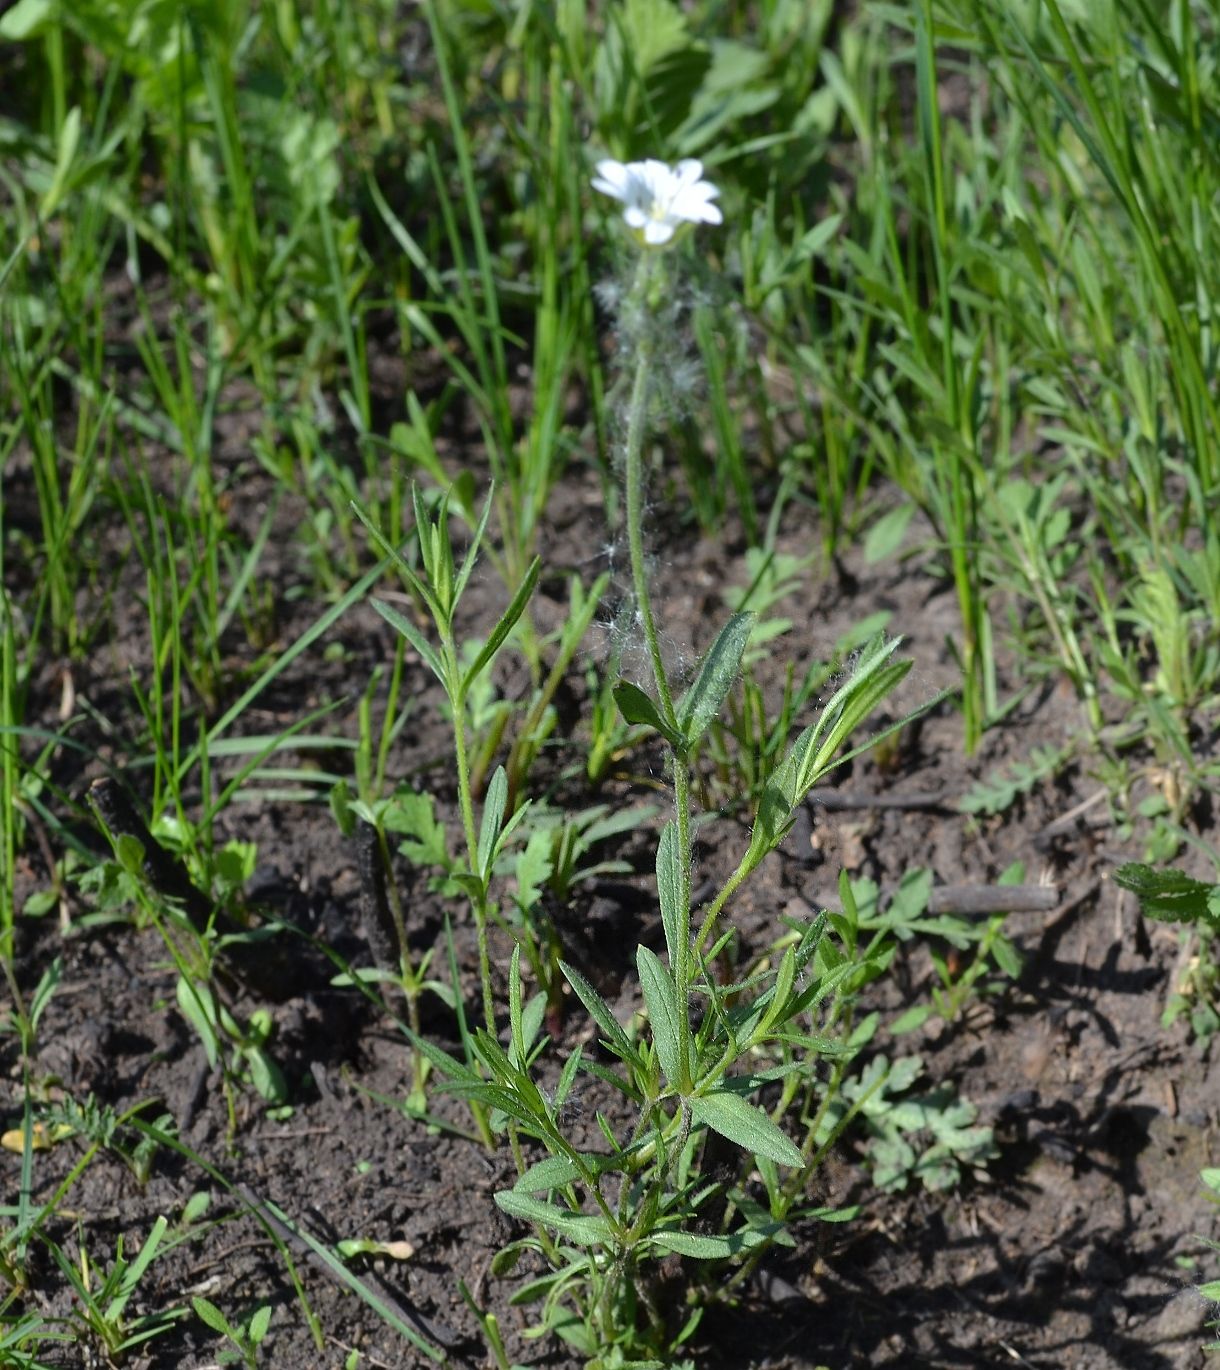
(244, 1337)
(102, 1298)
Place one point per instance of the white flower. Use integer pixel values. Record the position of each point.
(658, 198)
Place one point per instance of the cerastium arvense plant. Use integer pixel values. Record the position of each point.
(721, 1070)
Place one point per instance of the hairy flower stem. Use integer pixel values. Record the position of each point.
(647, 284)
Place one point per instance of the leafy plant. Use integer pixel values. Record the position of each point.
(930, 1137)
(102, 1297)
(1001, 789)
(244, 1337)
(1172, 896)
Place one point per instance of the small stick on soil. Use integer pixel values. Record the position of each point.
(977, 901)
(196, 1092)
(1069, 822)
(165, 873)
(256, 964)
(379, 930)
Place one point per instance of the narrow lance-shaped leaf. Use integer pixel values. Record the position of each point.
(707, 1247)
(581, 1228)
(749, 1127)
(717, 672)
(516, 1035)
(779, 995)
(494, 805)
(775, 810)
(552, 1172)
(417, 586)
(814, 752)
(506, 624)
(403, 625)
(599, 1011)
(435, 549)
(671, 893)
(871, 659)
(863, 699)
(472, 551)
(661, 1000)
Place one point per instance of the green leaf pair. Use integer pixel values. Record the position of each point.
(701, 703)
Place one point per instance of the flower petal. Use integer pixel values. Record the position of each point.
(696, 207)
(613, 179)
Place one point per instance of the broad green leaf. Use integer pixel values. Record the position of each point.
(1171, 895)
(27, 19)
(208, 1313)
(749, 1127)
(129, 853)
(661, 1000)
(885, 536)
(638, 708)
(199, 1009)
(552, 1172)
(582, 1228)
(671, 892)
(717, 672)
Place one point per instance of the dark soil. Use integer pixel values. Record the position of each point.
(1075, 1248)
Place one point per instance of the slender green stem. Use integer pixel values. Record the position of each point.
(637, 420)
(472, 842)
(681, 971)
(717, 905)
